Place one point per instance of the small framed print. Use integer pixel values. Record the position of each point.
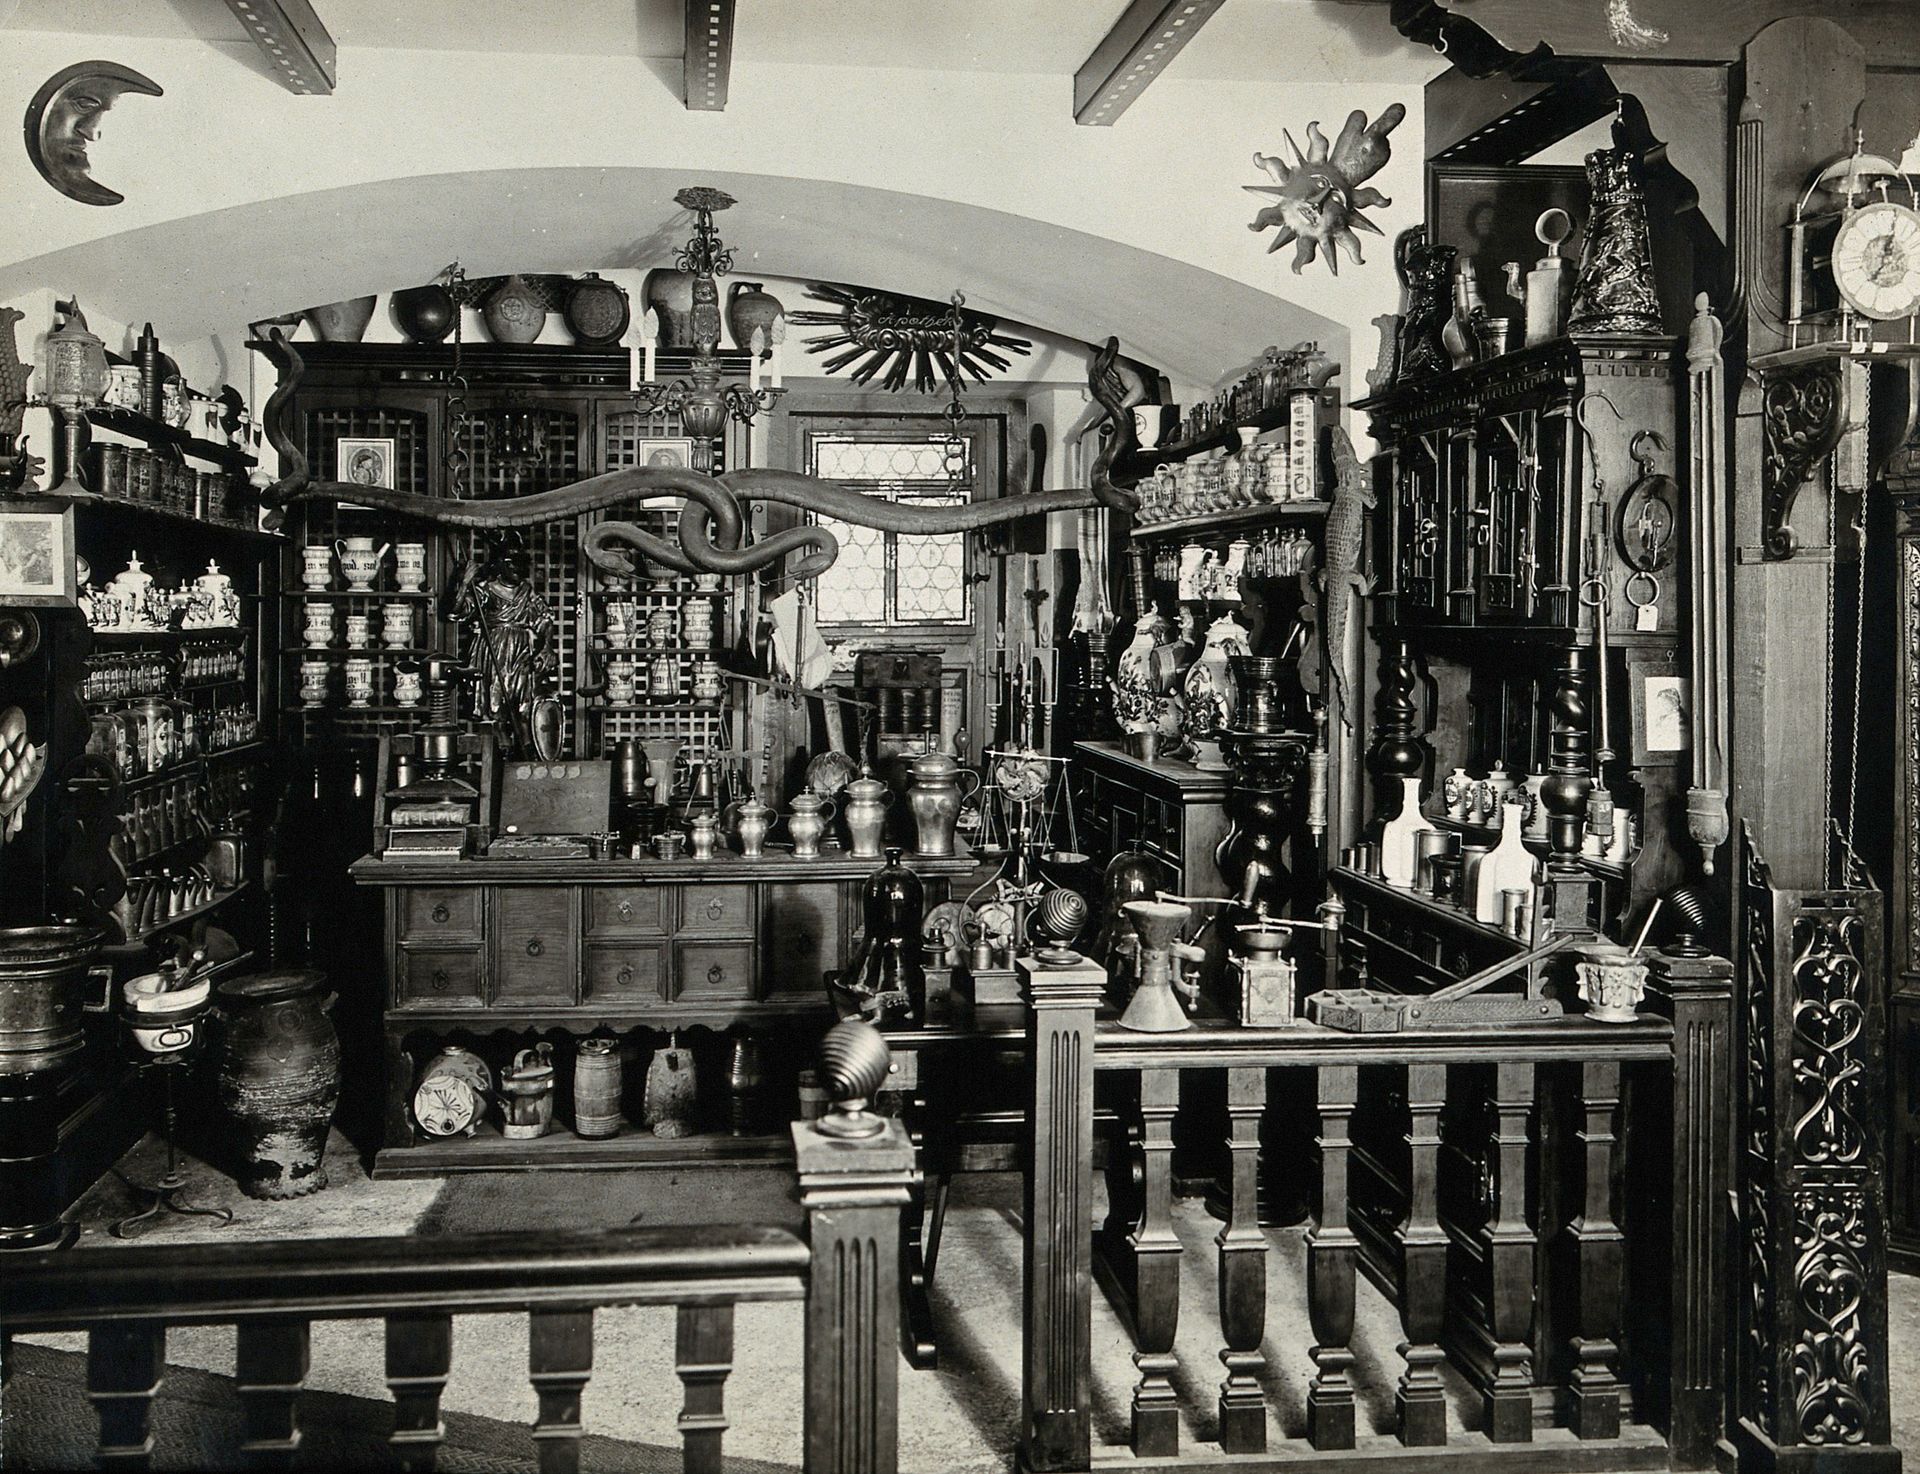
(36, 555)
(364, 462)
(663, 452)
(1662, 716)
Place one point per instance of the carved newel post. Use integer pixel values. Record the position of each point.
(1570, 888)
(1266, 808)
(1398, 750)
(856, 1169)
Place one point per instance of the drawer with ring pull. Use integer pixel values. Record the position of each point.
(439, 977)
(627, 974)
(716, 910)
(437, 913)
(621, 909)
(534, 953)
(711, 972)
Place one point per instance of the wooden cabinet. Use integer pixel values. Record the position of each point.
(493, 952)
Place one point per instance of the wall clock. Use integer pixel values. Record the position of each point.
(1876, 260)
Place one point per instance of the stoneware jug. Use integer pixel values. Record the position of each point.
(360, 561)
(669, 1100)
(279, 1079)
(1508, 865)
(935, 792)
(866, 814)
(516, 312)
(751, 307)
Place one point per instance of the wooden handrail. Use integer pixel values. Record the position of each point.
(346, 1278)
(1571, 1039)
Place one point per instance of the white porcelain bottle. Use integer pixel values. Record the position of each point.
(1508, 865)
(1399, 858)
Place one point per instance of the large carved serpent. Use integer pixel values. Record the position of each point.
(712, 522)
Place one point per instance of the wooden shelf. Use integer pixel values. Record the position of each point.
(120, 505)
(132, 423)
(213, 632)
(404, 652)
(663, 704)
(233, 458)
(488, 1151)
(141, 937)
(1232, 517)
(386, 594)
(1439, 911)
(1138, 464)
(1476, 637)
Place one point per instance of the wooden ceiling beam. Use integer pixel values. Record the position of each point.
(295, 42)
(709, 54)
(1137, 49)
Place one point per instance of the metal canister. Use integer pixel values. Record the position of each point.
(110, 470)
(596, 1088)
(43, 977)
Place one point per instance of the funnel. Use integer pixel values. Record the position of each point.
(1154, 1009)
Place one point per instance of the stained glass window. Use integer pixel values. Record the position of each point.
(886, 578)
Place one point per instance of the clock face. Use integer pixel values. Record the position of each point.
(1876, 261)
(443, 1106)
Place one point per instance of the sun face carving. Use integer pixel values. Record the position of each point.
(1321, 194)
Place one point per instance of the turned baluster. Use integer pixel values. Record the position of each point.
(270, 1364)
(1569, 761)
(1510, 1254)
(1398, 750)
(419, 1355)
(703, 1355)
(559, 1362)
(125, 1363)
(1421, 1400)
(1599, 1256)
(1243, 1271)
(1156, 1272)
(1330, 1263)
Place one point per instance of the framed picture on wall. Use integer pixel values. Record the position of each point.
(1662, 717)
(364, 461)
(36, 555)
(673, 452)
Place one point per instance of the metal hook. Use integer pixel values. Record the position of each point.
(1634, 454)
(1593, 449)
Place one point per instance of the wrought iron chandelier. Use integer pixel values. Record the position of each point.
(703, 402)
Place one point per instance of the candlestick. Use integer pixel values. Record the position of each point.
(756, 345)
(650, 334)
(779, 341)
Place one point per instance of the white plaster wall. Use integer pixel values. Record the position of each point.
(1166, 180)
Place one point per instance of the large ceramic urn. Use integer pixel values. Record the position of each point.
(935, 791)
(279, 1079)
(1211, 698)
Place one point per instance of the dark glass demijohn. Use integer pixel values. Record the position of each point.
(886, 974)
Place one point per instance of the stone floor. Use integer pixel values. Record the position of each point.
(962, 1417)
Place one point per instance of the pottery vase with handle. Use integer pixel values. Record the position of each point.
(751, 308)
(597, 311)
(516, 312)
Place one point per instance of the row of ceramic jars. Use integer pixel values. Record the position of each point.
(396, 626)
(662, 674)
(361, 562)
(361, 683)
(1259, 472)
(693, 627)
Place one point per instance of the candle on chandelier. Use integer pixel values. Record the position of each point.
(650, 335)
(779, 339)
(756, 346)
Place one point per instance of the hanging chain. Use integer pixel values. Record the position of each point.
(457, 459)
(955, 462)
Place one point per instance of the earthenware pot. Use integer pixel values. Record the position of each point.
(749, 307)
(515, 313)
(597, 311)
(279, 1078)
(341, 322)
(670, 296)
(423, 314)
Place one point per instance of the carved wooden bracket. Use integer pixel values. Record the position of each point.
(1803, 411)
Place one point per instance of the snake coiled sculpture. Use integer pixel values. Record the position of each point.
(713, 523)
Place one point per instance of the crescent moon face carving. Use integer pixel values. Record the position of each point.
(64, 117)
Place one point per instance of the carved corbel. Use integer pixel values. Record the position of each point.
(1804, 414)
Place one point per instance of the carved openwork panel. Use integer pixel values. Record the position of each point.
(1804, 413)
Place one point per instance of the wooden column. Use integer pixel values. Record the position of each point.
(853, 1191)
(1156, 1273)
(1421, 1400)
(1599, 1258)
(270, 1367)
(1511, 1243)
(125, 1363)
(1243, 1271)
(559, 1363)
(419, 1355)
(702, 1357)
(1331, 1247)
(1056, 1355)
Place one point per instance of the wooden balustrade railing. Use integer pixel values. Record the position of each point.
(845, 1271)
(1577, 1282)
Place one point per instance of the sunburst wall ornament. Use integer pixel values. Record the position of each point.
(880, 330)
(1321, 194)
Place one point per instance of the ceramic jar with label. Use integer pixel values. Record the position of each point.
(407, 687)
(313, 682)
(359, 631)
(360, 561)
(410, 567)
(359, 682)
(866, 814)
(396, 625)
(621, 686)
(699, 623)
(316, 565)
(319, 626)
(661, 632)
(663, 676)
(1211, 699)
(707, 685)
